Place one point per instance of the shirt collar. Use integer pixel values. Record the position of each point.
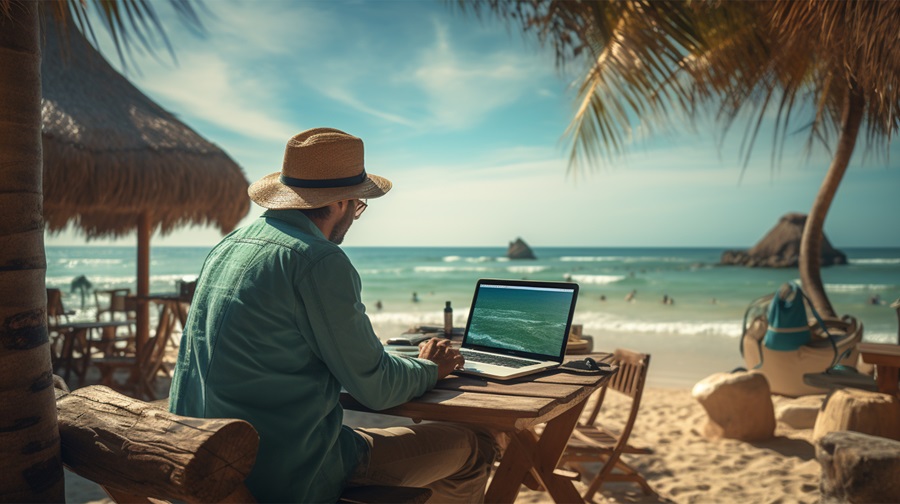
(296, 219)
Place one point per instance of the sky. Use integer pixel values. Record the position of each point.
(467, 117)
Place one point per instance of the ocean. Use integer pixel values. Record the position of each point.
(696, 334)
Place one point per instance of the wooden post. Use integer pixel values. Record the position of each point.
(143, 282)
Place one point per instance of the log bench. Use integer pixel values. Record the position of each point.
(139, 452)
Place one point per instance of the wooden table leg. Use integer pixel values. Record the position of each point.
(887, 379)
(550, 447)
(82, 336)
(509, 475)
(539, 456)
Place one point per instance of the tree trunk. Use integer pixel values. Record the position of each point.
(810, 261)
(29, 437)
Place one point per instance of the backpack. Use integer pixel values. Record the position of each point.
(788, 325)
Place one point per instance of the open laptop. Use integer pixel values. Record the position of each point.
(517, 327)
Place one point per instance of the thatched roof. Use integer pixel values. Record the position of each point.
(112, 154)
(780, 248)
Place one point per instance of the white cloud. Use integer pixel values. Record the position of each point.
(207, 87)
(270, 27)
(462, 87)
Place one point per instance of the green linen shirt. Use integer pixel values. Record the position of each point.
(275, 329)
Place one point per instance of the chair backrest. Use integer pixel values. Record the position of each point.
(186, 290)
(120, 301)
(56, 312)
(151, 360)
(628, 380)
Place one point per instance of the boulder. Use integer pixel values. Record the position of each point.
(738, 405)
(858, 467)
(850, 409)
(801, 412)
(519, 250)
(780, 248)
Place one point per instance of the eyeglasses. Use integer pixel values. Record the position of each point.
(361, 206)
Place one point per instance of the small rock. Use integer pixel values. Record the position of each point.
(738, 405)
(850, 409)
(800, 412)
(858, 467)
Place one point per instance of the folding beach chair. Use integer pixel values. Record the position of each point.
(592, 442)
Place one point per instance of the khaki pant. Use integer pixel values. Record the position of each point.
(452, 460)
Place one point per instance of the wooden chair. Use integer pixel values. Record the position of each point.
(56, 315)
(145, 365)
(56, 312)
(592, 442)
(139, 452)
(118, 304)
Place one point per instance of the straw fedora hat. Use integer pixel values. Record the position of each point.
(321, 166)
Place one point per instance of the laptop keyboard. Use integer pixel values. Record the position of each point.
(497, 360)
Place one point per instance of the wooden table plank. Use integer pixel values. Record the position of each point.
(502, 411)
(562, 392)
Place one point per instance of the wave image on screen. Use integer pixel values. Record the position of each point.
(520, 318)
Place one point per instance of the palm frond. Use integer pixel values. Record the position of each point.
(132, 24)
(651, 61)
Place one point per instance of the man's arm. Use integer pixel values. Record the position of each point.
(345, 341)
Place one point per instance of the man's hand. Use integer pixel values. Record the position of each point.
(439, 351)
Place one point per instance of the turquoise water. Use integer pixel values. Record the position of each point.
(709, 300)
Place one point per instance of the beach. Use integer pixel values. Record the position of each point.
(619, 306)
(685, 467)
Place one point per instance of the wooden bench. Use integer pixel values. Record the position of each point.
(139, 452)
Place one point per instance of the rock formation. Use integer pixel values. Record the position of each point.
(780, 248)
(519, 250)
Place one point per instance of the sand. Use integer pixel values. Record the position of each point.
(685, 466)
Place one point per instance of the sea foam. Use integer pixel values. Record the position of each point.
(597, 279)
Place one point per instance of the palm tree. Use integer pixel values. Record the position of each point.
(29, 437)
(652, 60)
(82, 285)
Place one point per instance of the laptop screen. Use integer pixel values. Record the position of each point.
(522, 318)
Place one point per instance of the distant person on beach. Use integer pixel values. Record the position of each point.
(378, 305)
(875, 299)
(277, 328)
(630, 296)
(667, 300)
(602, 297)
(415, 297)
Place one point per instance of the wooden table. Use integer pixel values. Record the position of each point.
(886, 358)
(80, 333)
(170, 303)
(516, 407)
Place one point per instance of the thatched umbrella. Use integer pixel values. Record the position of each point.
(780, 248)
(115, 161)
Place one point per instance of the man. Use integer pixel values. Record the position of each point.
(277, 327)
